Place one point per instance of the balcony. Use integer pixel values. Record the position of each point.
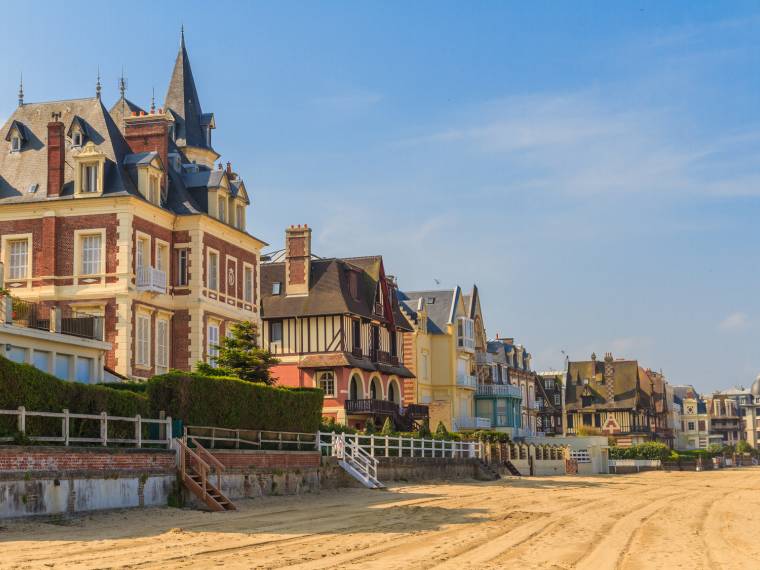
(472, 423)
(484, 358)
(62, 320)
(467, 381)
(369, 406)
(404, 418)
(151, 279)
(498, 390)
(381, 356)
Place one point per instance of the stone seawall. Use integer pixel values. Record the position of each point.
(38, 480)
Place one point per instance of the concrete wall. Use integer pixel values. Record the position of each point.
(549, 467)
(57, 480)
(427, 469)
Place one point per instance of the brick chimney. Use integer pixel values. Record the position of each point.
(297, 260)
(56, 156)
(149, 133)
(609, 376)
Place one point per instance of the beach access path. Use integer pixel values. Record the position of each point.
(649, 520)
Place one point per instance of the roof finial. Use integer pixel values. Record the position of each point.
(98, 87)
(122, 83)
(182, 35)
(21, 91)
(153, 102)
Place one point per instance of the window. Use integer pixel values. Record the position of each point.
(248, 284)
(557, 399)
(691, 426)
(76, 139)
(275, 332)
(182, 276)
(276, 288)
(222, 209)
(162, 346)
(597, 420)
(465, 333)
(15, 143)
(18, 259)
(162, 254)
(587, 401)
(141, 253)
(240, 217)
(702, 425)
(213, 343)
(213, 271)
(62, 366)
(143, 341)
(41, 360)
(587, 420)
(326, 381)
(84, 369)
(356, 333)
(569, 421)
(153, 190)
(91, 248)
(90, 178)
(394, 343)
(172, 132)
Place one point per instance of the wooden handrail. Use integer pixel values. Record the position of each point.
(218, 464)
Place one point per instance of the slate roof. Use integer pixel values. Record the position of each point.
(19, 170)
(632, 386)
(182, 99)
(329, 292)
(438, 311)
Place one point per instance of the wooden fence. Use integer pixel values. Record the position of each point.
(71, 437)
(224, 438)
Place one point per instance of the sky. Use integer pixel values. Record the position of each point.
(593, 167)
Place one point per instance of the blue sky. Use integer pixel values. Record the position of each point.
(594, 167)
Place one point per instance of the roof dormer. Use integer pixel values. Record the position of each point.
(89, 171)
(16, 136)
(77, 132)
(149, 174)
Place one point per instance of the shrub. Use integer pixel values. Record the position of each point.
(743, 447)
(648, 450)
(423, 431)
(369, 426)
(25, 385)
(233, 403)
(387, 427)
(330, 425)
(441, 432)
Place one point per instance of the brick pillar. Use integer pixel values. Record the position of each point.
(297, 260)
(56, 156)
(47, 262)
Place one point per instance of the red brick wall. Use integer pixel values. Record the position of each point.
(47, 459)
(226, 250)
(180, 340)
(150, 136)
(268, 460)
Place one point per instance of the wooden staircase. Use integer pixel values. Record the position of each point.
(512, 469)
(194, 472)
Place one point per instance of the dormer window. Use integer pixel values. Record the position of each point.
(15, 136)
(172, 132)
(153, 190)
(76, 139)
(276, 288)
(90, 163)
(15, 143)
(222, 208)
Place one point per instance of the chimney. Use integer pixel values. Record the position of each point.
(609, 376)
(56, 156)
(297, 260)
(149, 133)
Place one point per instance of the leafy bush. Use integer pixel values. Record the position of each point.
(387, 427)
(743, 447)
(648, 450)
(490, 436)
(441, 432)
(25, 385)
(423, 431)
(369, 427)
(233, 403)
(330, 425)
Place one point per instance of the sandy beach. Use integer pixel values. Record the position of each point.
(652, 520)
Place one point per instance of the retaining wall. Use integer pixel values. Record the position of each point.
(56, 480)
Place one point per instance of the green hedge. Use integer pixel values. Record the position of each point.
(232, 403)
(648, 450)
(25, 385)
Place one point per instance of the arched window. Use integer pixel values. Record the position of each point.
(374, 390)
(391, 392)
(355, 391)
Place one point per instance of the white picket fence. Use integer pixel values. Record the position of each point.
(398, 446)
(65, 437)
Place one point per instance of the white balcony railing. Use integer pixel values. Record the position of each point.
(151, 279)
(469, 422)
(499, 390)
(467, 381)
(483, 358)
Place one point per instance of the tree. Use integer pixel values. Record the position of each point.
(387, 427)
(241, 356)
(369, 427)
(441, 432)
(423, 431)
(743, 447)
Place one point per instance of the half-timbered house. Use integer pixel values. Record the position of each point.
(335, 324)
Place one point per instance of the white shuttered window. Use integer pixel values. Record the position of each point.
(18, 259)
(91, 247)
(213, 344)
(162, 346)
(143, 340)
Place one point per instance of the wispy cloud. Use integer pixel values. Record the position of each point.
(734, 322)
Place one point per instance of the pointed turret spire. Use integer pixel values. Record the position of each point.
(98, 87)
(122, 84)
(182, 99)
(21, 91)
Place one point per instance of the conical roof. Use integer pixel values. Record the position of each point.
(182, 99)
